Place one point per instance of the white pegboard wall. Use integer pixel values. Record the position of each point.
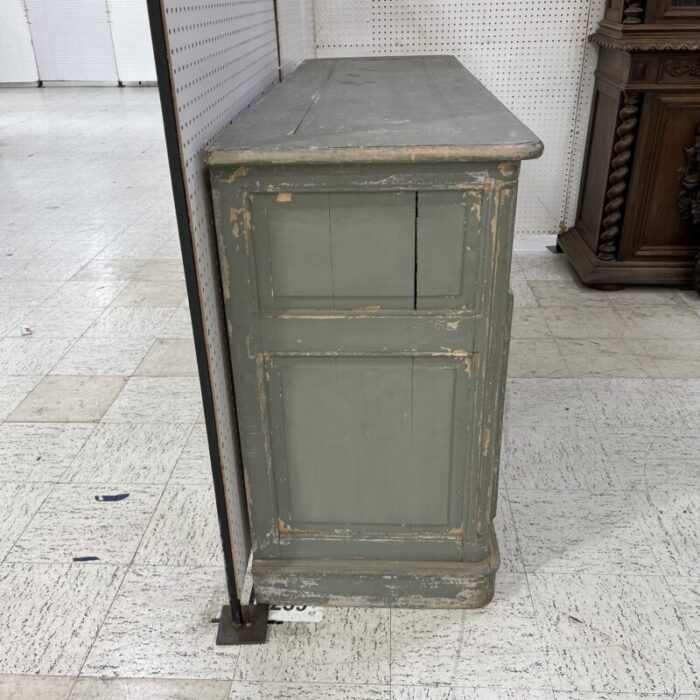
(583, 112)
(17, 62)
(532, 54)
(223, 56)
(133, 53)
(295, 21)
(72, 40)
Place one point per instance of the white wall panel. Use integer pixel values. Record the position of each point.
(132, 40)
(17, 62)
(223, 56)
(295, 20)
(72, 40)
(532, 54)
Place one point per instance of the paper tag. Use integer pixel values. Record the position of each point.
(295, 613)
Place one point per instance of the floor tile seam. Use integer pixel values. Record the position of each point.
(100, 562)
(562, 357)
(544, 649)
(556, 340)
(29, 522)
(606, 305)
(560, 339)
(660, 429)
(106, 338)
(694, 636)
(11, 332)
(44, 675)
(143, 359)
(686, 413)
(72, 687)
(133, 561)
(4, 421)
(73, 344)
(519, 551)
(125, 573)
(208, 484)
(73, 460)
(547, 648)
(54, 485)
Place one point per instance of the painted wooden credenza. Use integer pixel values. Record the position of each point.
(364, 211)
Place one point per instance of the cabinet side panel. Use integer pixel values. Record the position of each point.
(367, 441)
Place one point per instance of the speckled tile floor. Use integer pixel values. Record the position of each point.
(599, 517)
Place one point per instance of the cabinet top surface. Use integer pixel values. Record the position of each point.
(388, 109)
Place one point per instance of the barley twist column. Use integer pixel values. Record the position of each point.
(620, 169)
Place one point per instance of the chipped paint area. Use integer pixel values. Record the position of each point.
(468, 366)
(284, 529)
(283, 197)
(225, 276)
(507, 169)
(315, 317)
(247, 228)
(486, 440)
(239, 172)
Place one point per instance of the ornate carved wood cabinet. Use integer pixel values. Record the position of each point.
(364, 211)
(635, 220)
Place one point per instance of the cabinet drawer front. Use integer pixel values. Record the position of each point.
(362, 443)
(335, 251)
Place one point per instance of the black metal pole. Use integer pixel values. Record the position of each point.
(277, 41)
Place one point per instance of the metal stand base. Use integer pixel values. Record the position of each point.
(254, 631)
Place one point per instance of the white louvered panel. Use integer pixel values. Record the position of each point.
(72, 40)
(223, 56)
(295, 20)
(532, 54)
(132, 40)
(17, 64)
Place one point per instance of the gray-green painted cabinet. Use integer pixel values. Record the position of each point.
(364, 211)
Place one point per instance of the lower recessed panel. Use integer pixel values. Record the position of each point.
(363, 441)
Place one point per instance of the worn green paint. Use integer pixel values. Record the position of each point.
(352, 425)
(449, 260)
(369, 318)
(335, 250)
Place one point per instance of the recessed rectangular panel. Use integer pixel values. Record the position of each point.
(449, 233)
(364, 441)
(373, 242)
(659, 226)
(300, 247)
(335, 251)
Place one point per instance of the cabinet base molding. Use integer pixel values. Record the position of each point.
(595, 272)
(377, 583)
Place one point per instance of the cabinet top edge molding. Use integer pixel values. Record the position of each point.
(378, 109)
